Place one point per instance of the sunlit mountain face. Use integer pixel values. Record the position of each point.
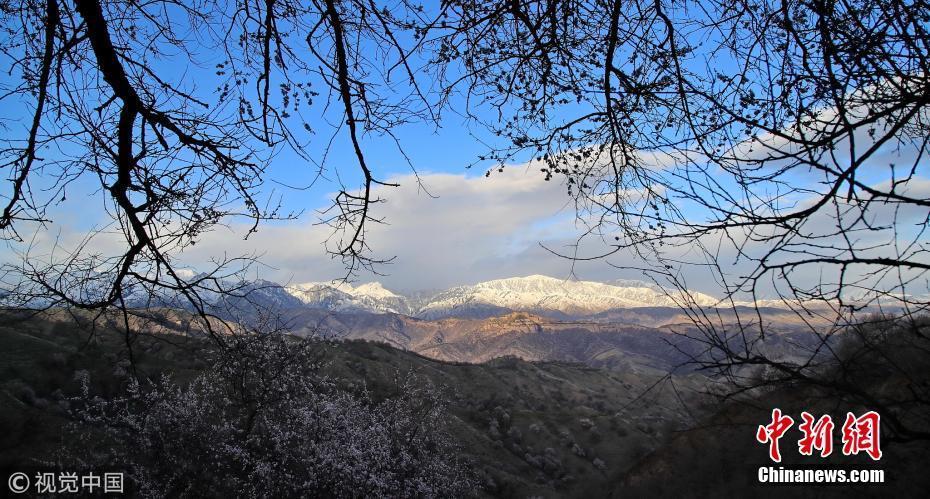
(536, 293)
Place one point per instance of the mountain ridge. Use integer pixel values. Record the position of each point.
(534, 293)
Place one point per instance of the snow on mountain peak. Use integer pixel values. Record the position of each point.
(374, 290)
(343, 296)
(544, 293)
(534, 293)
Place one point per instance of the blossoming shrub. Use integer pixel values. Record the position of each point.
(263, 423)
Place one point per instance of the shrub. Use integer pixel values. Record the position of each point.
(263, 423)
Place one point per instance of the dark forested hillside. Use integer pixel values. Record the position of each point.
(522, 428)
(527, 428)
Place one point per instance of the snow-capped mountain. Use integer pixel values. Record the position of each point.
(216, 296)
(371, 297)
(262, 294)
(543, 294)
(537, 293)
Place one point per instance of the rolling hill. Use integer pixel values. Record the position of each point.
(529, 428)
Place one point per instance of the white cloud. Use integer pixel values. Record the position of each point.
(471, 229)
(466, 230)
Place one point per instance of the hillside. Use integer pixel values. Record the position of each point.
(528, 428)
(531, 428)
(605, 341)
(883, 368)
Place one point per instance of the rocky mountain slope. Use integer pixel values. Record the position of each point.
(625, 325)
(652, 340)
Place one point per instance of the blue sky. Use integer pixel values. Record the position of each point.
(479, 228)
(440, 153)
(500, 242)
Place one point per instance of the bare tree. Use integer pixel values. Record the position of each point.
(776, 148)
(171, 113)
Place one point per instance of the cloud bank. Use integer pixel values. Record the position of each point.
(451, 230)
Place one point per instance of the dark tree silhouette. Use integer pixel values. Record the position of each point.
(174, 109)
(756, 131)
(777, 148)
